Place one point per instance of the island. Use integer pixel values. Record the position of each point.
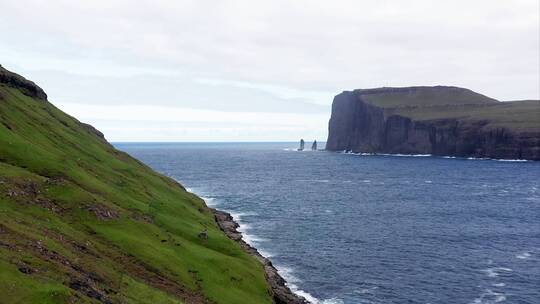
(437, 120)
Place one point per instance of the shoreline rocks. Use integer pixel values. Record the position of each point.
(281, 294)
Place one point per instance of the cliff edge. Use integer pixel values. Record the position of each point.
(436, 120)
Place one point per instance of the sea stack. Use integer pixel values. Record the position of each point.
(436, 120)
(314, 146)
(302, 143)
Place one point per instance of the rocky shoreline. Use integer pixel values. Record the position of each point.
(280, 292)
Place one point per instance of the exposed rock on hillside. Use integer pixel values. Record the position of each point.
(25, 86)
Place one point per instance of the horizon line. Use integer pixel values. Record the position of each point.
(202, 142)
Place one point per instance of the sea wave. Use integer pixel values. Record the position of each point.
(313, 180)
(407, 155)
(287, 274)
(496, 271)
(292, 281)
(244, 228)
(486, 158)
(210, 201)
(237, 217)
(524, 255)
(489, 297)
(385, 154)
(430, 155)
(296, 150)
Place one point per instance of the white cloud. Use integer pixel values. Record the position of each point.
(269, 55)
(161, 123)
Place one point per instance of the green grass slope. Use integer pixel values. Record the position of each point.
(81, 222)
(443, 102)
(422, 96)
(518, 116)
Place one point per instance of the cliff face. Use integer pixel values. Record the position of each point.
(376, 121)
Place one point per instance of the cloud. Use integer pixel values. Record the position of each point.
(166, 123)
(269, 55)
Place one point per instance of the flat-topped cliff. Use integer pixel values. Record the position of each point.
(436, 120)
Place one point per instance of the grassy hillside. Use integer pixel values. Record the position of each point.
(422, 96)
(432, 103)
(515, 115)
(81, 222)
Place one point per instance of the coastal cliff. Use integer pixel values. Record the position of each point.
(82, 222)
(434, 120)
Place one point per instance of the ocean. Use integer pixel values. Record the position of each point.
(352, 229)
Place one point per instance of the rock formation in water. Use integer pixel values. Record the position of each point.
(302, 143)
(434, 120)
(314, 146)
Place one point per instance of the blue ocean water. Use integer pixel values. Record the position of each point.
(354, 229)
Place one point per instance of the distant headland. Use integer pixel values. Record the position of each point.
(439, 120)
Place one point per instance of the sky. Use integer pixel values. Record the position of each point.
(259, 70)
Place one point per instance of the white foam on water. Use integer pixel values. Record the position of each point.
(497, 159)
(386, 154)
(430, 155)
(489, 297)
(428, 182)
(210, 201)
(496, 271)
(266, 254)
(368, 290)
(292, 281)
(286, 273)
(498, 284)
(244, 228)
(250, 239)
(409, 155)
(237, 217)
(313, 180)
(512, 160)
(332, 301)
(524, 255)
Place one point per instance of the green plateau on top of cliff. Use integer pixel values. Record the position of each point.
(81, 222)
(446, 102)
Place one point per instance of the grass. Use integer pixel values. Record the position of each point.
(82, 222)
(516, 115)
(422, 96)
(434, 103)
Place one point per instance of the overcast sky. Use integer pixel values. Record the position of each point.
(259, 70)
